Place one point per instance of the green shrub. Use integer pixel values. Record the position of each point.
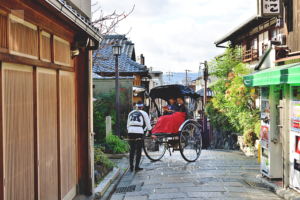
(257, 128)
(233, 106)
(100, 157)
(250, 138)
(116, 144)
(105, 106)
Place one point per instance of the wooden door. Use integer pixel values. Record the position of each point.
(67, 134)
(47, 133)
(18, 131)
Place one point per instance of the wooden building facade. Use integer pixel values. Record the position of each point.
(254, 35)
(46, 145)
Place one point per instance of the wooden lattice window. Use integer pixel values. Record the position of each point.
(23, 39)
(46, 47)
(61, 51)
(3, 31)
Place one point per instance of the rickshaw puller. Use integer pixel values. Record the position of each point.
(135, 127)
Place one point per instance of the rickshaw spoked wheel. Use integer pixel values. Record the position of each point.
(155, 149)
(190, 142)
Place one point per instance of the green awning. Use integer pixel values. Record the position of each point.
(285, 74)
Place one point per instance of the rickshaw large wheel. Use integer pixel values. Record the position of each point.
(190, 142)
(155, 149)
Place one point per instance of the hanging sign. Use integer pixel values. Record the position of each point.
(269, 8)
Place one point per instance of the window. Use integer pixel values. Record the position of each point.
(275, 34)
(254, 43)
(156, 74)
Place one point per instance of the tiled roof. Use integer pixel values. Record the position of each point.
(80, 17)
(103, 60)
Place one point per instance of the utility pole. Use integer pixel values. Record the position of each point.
(186, 76)
(169, 74)
(205, 77)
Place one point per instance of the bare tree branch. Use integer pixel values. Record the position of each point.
(107, 25)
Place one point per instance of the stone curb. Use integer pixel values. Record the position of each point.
(117, 156)
(284, 193)
(116, 185)
(112, 190)
(106, 182)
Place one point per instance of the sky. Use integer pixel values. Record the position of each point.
(174, 34)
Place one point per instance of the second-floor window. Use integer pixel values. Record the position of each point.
(275, 34)
(254, 43)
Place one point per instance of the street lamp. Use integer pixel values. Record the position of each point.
(117, 52)
(205, 77)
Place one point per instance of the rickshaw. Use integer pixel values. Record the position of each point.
(188, 138)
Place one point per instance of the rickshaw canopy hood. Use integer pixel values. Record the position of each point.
(167, 92)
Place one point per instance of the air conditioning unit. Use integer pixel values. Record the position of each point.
(282, 38)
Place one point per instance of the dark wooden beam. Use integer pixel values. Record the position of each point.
(58, 134)
(52, 48)
(5, 57)
(35, 143)
(82, 120)
(40, 43)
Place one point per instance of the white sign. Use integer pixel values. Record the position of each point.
(270, 7)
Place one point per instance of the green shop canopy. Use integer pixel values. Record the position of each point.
(285, 74)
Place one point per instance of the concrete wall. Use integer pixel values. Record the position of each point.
(157, 79)
(82, 6)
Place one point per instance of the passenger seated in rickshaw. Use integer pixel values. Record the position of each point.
(170, 109)
(170, 123)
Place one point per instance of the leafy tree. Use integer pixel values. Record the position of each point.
(232, 107)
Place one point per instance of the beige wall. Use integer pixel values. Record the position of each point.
(82, 6)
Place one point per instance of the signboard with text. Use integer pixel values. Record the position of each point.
(269, 8)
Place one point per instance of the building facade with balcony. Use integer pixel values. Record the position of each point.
(253, 37)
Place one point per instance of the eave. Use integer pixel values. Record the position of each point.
(67, 14)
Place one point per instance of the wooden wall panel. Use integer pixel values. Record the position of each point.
(18, 131)
(296, 27)
(3, 31)
(46, 47)
(292, 25)
(61, 51)
(24, 39)
(67, 134)
(47, 134)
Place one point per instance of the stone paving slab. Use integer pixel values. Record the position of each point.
(203, 188)
(136, 198)
(206, 194)
(216, 175)
(167, 195)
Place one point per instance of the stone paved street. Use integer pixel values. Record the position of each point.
(216, 175)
